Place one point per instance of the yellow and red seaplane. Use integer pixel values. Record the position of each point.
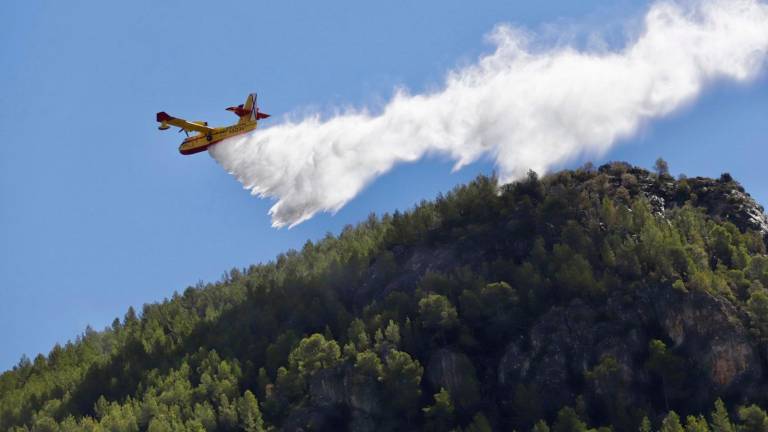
(207, 136)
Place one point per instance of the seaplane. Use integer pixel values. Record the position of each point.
(207, 136)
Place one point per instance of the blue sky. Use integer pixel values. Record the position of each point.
(98, 211)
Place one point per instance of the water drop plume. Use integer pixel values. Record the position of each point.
(524, 107)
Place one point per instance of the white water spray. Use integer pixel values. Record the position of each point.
(526, 109)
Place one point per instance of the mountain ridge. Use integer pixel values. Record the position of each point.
(606, 296)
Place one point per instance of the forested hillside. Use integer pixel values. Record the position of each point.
(610, 298)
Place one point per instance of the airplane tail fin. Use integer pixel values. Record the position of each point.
(249, 103)
(249, 111)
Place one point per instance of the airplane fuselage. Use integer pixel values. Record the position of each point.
(206, 136)
(200, 142)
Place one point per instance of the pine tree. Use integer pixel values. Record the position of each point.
(661, 167)
(480, 423)
(249, 413)
(671, 423)
(696, 424)
(437, 312)
(314, 353)
(645, 425)
(540, 426)
(392, 334)
(357, 335)
(753, 418)
(159, 424)
(440, 415)
(227, 413)
(401, 377)
(721, 422)
(568, 421)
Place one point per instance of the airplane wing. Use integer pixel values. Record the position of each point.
(166, 120)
